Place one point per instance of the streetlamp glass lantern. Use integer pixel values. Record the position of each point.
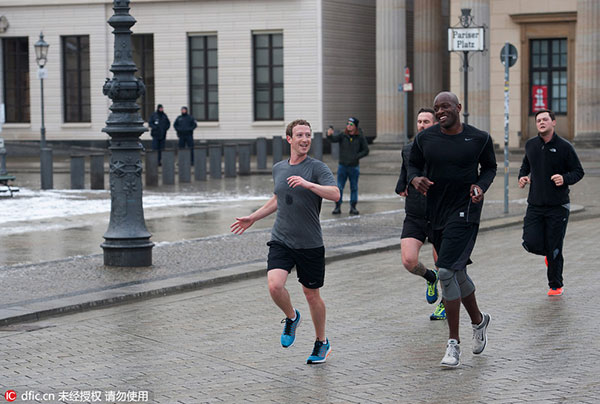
(41, 51)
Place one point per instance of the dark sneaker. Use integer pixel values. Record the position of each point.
(336, 210)
(432, 290)
(353, 210)
(439, 313)
(288, 336)
(320, 352)
(452, 357)
(480, 334)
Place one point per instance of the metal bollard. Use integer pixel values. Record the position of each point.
(230, 155)
(200, 163)
(214, 156)
(151, 168)
(261, 153)
(244, 151)
(316, 148)
(97, 171)
(184, 161)
(77, 171)
(277, 149)
(335, 151)
(168, 167)
(46, 170)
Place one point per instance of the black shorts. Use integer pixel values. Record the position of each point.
(309, 262)
(454, 244)
(415, 227)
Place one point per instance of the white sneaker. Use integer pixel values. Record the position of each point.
(452, 357)
(480, 334)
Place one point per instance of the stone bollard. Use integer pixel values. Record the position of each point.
(168, 167)
(244, 152)
(97, 171)
(335, 151)
(261, 153)
(200, 163)
(152, 168)
(184, 160)
(316, 148)
(277, 149)
(214, 156)
(77, 171)
(230, 155)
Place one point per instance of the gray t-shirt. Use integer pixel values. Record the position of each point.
(297, 223)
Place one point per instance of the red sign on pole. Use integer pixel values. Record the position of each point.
(539, 97)
(406, 75)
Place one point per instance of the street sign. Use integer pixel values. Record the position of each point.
(512, 54)
(407, 87)
(466, 39)
(406, 75)
(42, 73)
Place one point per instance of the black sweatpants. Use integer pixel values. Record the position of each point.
(544, 229)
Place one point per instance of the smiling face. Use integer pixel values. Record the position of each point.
(545, 124)
(447, 111)
(300, 140)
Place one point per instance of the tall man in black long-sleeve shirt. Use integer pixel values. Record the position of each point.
(550, 165)
(460, 166)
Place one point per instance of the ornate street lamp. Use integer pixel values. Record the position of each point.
(127, 241)
(41, 57)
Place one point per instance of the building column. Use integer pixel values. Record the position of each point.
(391, 59)
(587, 130)
(479, 71)
(429, 63)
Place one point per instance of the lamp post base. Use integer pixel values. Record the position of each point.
(126, 254)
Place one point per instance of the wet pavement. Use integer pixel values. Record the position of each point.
(219, 343)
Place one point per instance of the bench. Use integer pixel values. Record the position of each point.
(5, 186)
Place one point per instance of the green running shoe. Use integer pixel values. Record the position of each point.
(432, 290)
(439, 313)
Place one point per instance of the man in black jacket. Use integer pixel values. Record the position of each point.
(550, 165)
(454, 164)
(415, 228)
(160, 124)
(185, 125)
(353, 147)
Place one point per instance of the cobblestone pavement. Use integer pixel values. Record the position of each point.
(221, 344)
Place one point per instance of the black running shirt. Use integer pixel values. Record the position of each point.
(453, 163)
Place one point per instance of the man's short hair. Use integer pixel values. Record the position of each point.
(541, 111)
(291, 125)
(429, 110)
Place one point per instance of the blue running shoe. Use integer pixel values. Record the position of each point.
(320, 352)
(439, 313)
(432, 290)
(288, 336)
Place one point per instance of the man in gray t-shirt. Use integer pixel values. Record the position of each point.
(301, 183)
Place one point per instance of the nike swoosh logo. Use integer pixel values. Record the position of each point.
(468, 139)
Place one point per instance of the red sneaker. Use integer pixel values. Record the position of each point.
(555, 292)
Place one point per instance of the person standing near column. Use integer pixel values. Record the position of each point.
(550, 165)
(353, 147)
(185, 125)
(415, 227)
(453, 164)
(300, 184)
(159, 124)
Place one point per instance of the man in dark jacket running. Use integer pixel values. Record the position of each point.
(550, 165)
(159, 124)
(185, 125)
(353, 147)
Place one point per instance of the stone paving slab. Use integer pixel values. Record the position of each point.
(221, 344)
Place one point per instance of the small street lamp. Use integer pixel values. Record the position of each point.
(41, 57)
